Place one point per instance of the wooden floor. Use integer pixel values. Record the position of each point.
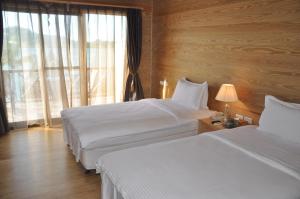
(36, 163)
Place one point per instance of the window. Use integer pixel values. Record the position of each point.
(55, 61)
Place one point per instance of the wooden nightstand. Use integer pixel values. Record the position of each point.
(205, 125)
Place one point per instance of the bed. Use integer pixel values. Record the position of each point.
(245, 162)
(96, 130)
(235, 164)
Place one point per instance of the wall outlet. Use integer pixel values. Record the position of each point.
(241, 117)
(248, 119)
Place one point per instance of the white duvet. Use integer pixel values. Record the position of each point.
(231, 164)
(95, 126)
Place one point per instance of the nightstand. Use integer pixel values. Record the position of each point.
(205, 125)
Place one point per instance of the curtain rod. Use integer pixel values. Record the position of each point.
(96, 3)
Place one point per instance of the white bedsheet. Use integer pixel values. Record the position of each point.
(234, 164)
(105, 125)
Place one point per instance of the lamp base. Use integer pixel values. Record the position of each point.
(226, 113)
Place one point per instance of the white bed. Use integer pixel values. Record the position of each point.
(96, 130)
(234, 164)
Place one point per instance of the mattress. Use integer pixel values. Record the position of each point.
(238, 163)
(89, 157)
(127, 124)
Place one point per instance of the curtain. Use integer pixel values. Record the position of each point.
(106, 47)
(134, 89)
(57, 57)
(3, 118)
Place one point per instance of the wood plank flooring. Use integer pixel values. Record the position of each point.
(36, 163)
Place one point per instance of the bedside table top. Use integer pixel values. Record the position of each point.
(205, 125)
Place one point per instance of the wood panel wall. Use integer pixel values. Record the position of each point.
(254, 44)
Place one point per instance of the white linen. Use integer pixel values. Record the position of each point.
(89, 157)
(233, 164)
(107, 125)
(190, 94)
(281, 118)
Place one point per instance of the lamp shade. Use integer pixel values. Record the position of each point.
(227, 93)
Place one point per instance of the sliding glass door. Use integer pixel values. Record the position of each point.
(105, 53)
(56, 61)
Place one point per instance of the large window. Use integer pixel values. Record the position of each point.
(55, 61)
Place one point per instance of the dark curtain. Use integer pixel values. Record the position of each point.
(3, 117)
(134, 89)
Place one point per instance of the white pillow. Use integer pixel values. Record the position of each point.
(204, 92)
(190, 94)
(281, 118)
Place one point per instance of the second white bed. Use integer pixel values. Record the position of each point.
(93, 131)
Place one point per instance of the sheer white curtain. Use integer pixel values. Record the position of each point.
(53, 61)
(106, 39)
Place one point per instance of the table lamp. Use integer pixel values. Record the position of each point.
(227, 93)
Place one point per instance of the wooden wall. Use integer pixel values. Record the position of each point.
(254, 44)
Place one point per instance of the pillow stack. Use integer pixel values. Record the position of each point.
(281, 118)
(191, 95)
